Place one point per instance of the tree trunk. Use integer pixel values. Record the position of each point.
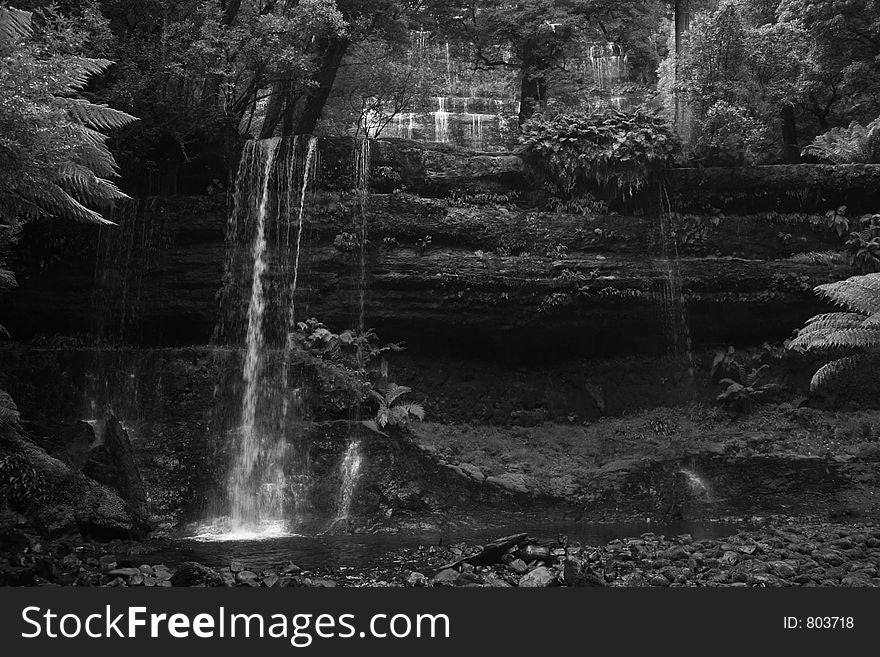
(275, 108)
(331, 58)
(533, 84)
(230, 11)
(790, 150)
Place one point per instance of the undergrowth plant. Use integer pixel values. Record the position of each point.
(393, 411)
(863, 246)
(741, 396)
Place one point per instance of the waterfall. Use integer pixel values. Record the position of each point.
(404, 122)
(441, 121)
(608, 64)
(268, 478)
(256, 479)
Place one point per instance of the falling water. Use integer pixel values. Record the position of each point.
(699, 488)
(441, 121)
(350, 470)
(673, 306)
(404, 122)
(256, 479)
(608, 64)
(268, 476)
(351, 462)
(362, 180)
(291, 315)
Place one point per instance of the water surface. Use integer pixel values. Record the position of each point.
(360, 552)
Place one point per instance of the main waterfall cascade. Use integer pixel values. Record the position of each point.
(268, 478)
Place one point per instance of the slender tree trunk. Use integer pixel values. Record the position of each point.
(533, 84)
(230, 10)
(331, 59)
(278, 99)
(790, 150)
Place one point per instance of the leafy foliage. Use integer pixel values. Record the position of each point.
(729, 135)
(609, 148)
(339, 365)
(856, 144)
(20, 483)
(857, 328)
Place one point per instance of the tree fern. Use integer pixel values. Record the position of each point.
(856, 144)
(15, 24)
(855, 329)
(54, 159)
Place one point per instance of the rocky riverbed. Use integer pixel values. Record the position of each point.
(780, 554)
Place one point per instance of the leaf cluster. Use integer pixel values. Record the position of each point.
(605, 148)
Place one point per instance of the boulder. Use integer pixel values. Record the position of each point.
(578, 573)
(540, 577)
(112, 462)
(192, 573)
(73, 505)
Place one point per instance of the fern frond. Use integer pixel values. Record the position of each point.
(7, 279)
(86, 186)
(828, 258)
(98, 117)
(393, 392)
(15, 24)
(96, 158)
(859, 293)
(54, 200)
(80, 69)
(853, 338)
(415, 409)
(810, 340)
(835, 369)
(833, 320)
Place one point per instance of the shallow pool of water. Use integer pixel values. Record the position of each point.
(359, 552)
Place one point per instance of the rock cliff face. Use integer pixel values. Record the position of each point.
(442, 273)
(511, 313)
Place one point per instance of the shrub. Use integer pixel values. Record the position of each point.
(608, 148)
(728, 135)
